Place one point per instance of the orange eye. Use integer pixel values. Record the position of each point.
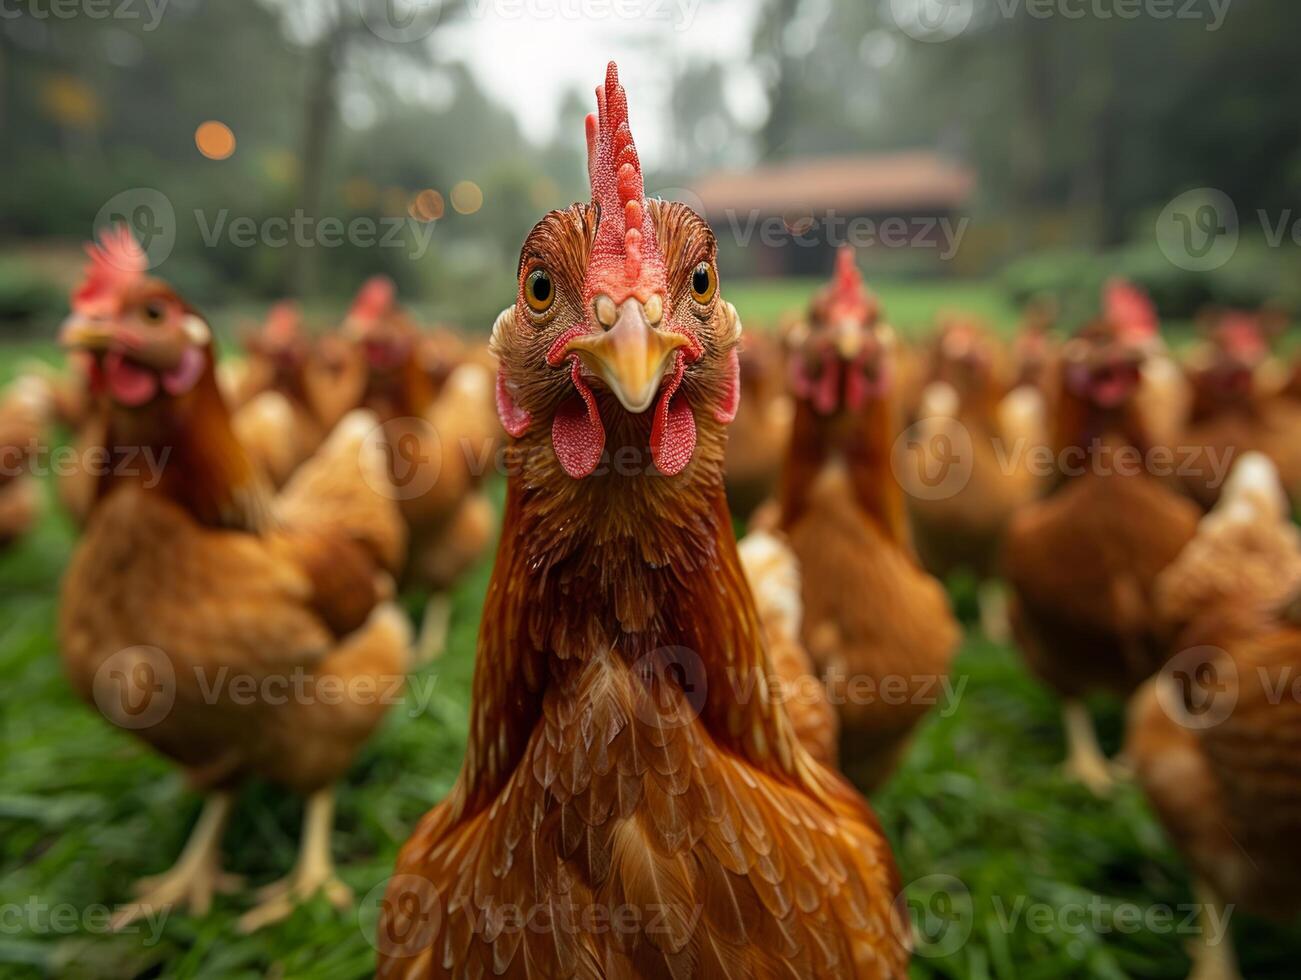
(704, 283)
(539, 291)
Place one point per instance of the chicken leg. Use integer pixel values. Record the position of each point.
(1213, 956)
(434, 625)
(195, 877)
(313, 871)
(1085, 761)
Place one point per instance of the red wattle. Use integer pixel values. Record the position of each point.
(185, 375)
(577, 434)
(128, 382)
(673, 433)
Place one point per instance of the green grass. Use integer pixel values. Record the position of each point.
(987, 832)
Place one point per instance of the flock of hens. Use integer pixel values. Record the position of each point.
(651, 785)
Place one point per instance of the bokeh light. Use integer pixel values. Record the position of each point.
(467, 198)
(215, 140)
(427, 205)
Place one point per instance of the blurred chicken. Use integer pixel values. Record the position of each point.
(26, 407)
(1034, 351)
(1238, 406)
(1215, 737)
(280, 420)
(1164, 397)
(757, 441)
(441, 443)
(192, 582)
(874, 621)
(967, 402)
(627, 756)
(773, 573)
(1082, 562)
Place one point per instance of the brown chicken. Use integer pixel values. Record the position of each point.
(633, 801)
(1214, 737)
(877, 625)
(1237, 408)
(967, 404)
(290, 399)
(757, 441)
(239, 634)
(442, 440)
(1082, 562)
(26, 407)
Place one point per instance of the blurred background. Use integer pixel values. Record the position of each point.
(978, 151)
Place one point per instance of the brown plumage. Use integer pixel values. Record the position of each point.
(443, 437)
(1082, 562)
(877, 625)
(967, 383)
(1216, 739)
(757, 440)
(26, 409)
(633, 801)
(199, 579)
(1237, 409)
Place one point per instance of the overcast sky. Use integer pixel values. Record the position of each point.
(529, 53)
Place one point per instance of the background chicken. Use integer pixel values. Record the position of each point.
(280, 419)
(442, 440)
(872, 616)
(757, 440)
(1003, 429)
(26, 407)
(180, 583)
(1082, 561)
(1214, 737)
(625, 750)
(1238, 408)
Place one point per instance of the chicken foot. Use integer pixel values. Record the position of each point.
(313, 871)
(1213, 958)
(195, 877)
(1085, 761)
(434, 625)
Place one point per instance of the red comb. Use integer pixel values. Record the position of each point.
(1240, 333)
(846, 294)
(1130, 309)
(626, 257)
(116, 263)
(375, 299)
(283, 320)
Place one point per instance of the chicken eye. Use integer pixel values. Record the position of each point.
(155, 311)
(704, 283)
(539, 292)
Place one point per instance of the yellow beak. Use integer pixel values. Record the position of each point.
(631, 357)
(81, 332)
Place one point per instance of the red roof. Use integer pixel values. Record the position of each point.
(915, 180)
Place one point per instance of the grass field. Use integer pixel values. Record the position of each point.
(1012, 870)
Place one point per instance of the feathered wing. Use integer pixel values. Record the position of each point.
(629, 844)
(773, 573)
